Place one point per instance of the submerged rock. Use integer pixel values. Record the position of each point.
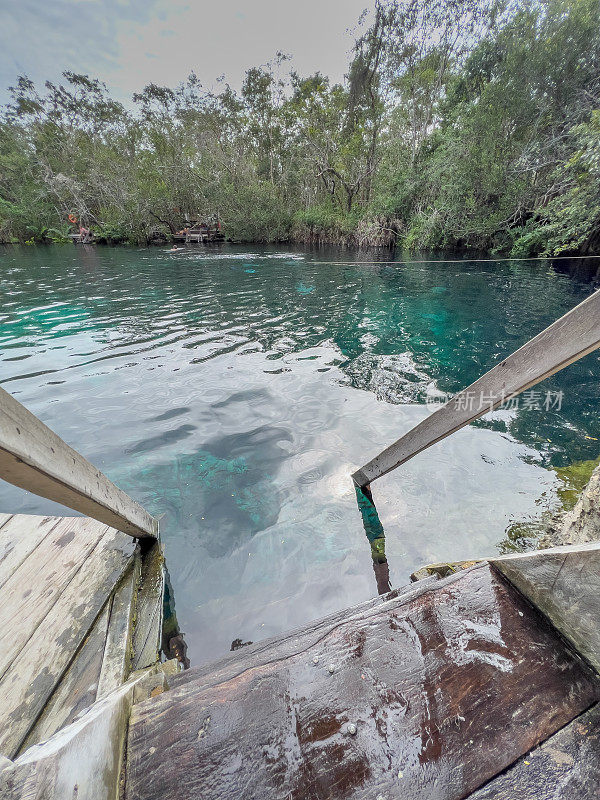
(580, 524)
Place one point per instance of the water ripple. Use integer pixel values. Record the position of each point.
(234, 391)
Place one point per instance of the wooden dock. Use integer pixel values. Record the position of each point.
(460, 687)
(482, 684)
(82, 238)
(74, 620)
(201, 233)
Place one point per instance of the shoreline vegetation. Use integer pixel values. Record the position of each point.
(460, 127)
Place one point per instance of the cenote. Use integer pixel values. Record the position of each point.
(233, 391)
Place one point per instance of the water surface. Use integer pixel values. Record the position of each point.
(233, 392)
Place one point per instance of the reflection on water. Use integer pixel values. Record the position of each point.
(173, 644)
(234, 392)
(376, 536)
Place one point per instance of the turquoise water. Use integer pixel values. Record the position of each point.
(234, 391)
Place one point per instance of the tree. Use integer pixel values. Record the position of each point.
(460, 124)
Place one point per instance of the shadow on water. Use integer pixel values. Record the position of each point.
(173, 644)
(376, 536)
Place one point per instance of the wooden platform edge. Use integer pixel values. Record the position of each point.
(124, 638)
(116, 661)
(149, 607)
(291, 642)
(563, 583)
(35, 673)
(565, 765)
(85, 759)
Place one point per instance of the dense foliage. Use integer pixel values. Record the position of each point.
(461, 124)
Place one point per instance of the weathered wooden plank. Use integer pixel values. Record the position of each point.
(19, 536)
(33, 588)
(149, 609)
(565, 341)
(35, 458)
(564, 584)
(4, 519)
(565, 767)
(422, 700)
(116, 661)
(78, 688)
(36, 670)
(82, 761)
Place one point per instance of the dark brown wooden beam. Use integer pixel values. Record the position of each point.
(414, 697)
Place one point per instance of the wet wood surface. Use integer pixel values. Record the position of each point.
(295, 642)
(424, 696)
(565, 767)
(564, 584)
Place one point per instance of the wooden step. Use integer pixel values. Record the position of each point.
(418, 695)
(292, 642)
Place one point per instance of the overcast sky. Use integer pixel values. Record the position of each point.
(130, 43)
